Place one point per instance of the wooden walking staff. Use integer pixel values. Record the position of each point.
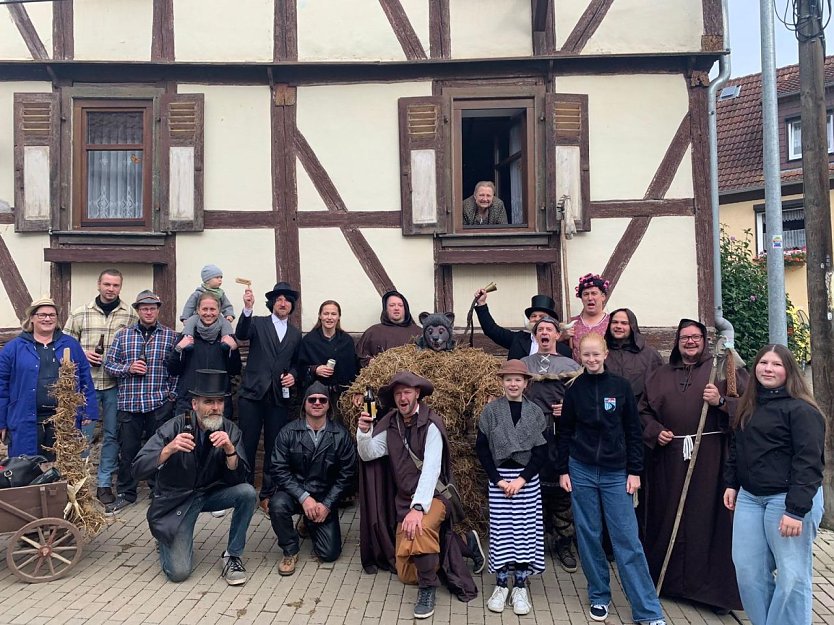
(719, 351)
(470, 322)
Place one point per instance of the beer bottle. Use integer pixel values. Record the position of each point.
(285, 390)
(370, 403)
(99, 349)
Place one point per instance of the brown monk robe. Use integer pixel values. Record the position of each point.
(701, 567)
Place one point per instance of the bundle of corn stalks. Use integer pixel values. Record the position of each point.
(464, 381)
(70, 443)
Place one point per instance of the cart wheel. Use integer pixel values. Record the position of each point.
(44, 550)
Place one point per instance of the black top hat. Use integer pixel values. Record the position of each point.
(281, 288)
(541, 303)
(210, 383)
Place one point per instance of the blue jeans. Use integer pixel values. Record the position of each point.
(759, 551)
(176, 558)
(107, 402)
(598, 491)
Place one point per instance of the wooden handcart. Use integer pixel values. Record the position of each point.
(45, 546)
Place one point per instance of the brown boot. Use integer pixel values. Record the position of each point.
(287, 565)
(105, 495)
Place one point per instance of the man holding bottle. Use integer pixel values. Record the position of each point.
(94, 325)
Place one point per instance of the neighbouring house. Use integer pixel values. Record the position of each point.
(741, 169)
(332, 143)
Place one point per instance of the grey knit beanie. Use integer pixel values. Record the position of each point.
(210, 271)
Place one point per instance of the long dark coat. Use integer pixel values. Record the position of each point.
(701, 567)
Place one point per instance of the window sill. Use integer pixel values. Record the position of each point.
(109, 247)
(482, 239)
(108, 238)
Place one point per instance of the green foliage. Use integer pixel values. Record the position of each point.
(744, 289)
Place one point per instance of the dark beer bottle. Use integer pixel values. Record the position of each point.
(370, 403)
(285, 390)
(99, 349)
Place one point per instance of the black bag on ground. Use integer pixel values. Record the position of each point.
(20, 470)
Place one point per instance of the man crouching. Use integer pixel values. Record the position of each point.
(200, 466)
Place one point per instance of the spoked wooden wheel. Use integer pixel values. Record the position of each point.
(44, 550)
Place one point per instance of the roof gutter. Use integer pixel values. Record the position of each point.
(722, 326)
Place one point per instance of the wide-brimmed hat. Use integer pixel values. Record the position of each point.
(146, 297)
(210, 383)
(405, 378)
(513, 367)
(281, 288)
(41, 301)
(541, 303)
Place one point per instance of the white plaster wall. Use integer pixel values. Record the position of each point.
(41, 15)
(640, 26)
(566, 15)
(682, 184)
(137, 278)
(219, 30)
(588, 252)
(355, 30)
(237, 147)
(660, 294)
(239, 253)
(12, 46)
(308, 197)
(516, 285)
(27, 252)
(418, 15)
(491, 28)
(632, 119)
(7, 91)
(353, 129)
(113, 31)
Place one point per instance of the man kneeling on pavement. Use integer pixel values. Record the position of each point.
(200, 466)
(413, 437)
(313, 465)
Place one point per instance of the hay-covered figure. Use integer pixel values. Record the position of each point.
(412, 438)
(512, 448)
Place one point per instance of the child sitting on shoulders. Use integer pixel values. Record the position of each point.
(212, 277)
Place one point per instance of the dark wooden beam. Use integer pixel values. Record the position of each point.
(713, 37)
(495, 256)
(403, 30)
(607, 209)
(285, 31)
(440, 34)
(544, 28)
(699, 132)
(539, 11)
(110, 255)
(21, 19)
(60, 288)
(624, 250)
(6, 218)
(318, 175)
(368, 259)
(63, 31)
(220, 220)
(587, 25)
(165, 283)
(162, 41)
(16, 289)
(357, 219)
(668, 167)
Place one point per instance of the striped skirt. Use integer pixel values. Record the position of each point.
(516, 527)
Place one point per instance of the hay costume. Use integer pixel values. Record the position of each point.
(390, 486)
(198, 481)
(519, 343)
(387, 334)
(305, 464)
(701, 567)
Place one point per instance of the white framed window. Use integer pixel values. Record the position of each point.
(793, 226)
(794, 135)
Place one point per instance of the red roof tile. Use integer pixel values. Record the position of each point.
(739, 120)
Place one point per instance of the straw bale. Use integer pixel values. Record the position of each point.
(464, 381)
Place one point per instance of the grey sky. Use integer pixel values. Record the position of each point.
(745, 42)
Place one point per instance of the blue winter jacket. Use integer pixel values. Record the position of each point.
(19, 363)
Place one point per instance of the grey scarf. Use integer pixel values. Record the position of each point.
(208, 333)
(508, 441)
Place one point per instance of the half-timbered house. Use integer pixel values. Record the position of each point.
(331, 143)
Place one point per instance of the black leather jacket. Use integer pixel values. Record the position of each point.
(325, 472)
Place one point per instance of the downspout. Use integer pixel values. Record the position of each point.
(722, 326)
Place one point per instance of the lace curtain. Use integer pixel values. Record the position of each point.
(114, 174)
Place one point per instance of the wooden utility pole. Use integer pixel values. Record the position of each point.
(818, 225)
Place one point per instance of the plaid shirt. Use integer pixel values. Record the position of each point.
(142, 393)
(88, 323)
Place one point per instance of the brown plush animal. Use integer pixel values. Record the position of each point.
(437, 331)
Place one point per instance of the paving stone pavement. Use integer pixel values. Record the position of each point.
(119, 581)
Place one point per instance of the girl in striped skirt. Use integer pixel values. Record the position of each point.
(512, 448)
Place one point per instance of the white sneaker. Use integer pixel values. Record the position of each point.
(218, 514)
(521, 601)
(498, 599)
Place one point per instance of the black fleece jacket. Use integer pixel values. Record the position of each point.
(600, 425)
(780, 450)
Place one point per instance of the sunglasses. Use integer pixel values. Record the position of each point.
(317, 400)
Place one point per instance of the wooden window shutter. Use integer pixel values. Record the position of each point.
(567, 162)
(424, 164)
(181, 166)
(37, 127)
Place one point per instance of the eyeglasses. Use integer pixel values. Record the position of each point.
(317, 400)
(45, 316)
(693, 338)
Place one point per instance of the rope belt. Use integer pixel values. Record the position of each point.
(689, 443)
